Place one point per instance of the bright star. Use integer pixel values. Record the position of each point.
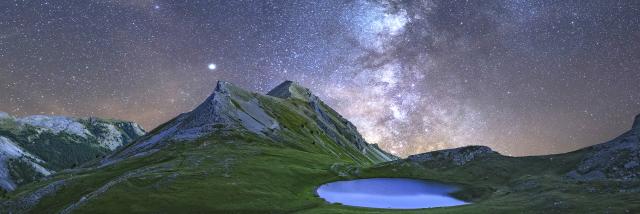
(212, 66)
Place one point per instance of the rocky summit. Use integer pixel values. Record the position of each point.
(233, 109)
(35, 146)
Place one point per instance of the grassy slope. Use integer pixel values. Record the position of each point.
(236, 172)
(244, 173)
(230, 171)
(501, 184)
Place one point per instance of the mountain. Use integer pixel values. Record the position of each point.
(243, 152)
(238, 151)
(36, 146)
(288, 113)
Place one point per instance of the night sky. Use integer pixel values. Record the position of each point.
(523, 77)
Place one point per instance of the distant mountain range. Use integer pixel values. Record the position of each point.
(244, 152)
(35, 146)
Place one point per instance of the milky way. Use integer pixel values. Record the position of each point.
(523, 77)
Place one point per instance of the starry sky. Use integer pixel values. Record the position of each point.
(523, 77)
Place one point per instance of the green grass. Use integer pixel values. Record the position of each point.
(235, 171)
(238, 173)
(499, 184)
(244, 173)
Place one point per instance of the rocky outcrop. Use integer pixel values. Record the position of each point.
(617, 159)
(458, 156)
(35, 146)
(10, 152)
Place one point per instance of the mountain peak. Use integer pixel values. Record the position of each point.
(228, 108)
(290, 89)
(636, 123)
(228, 105)
(233, 110)
(222, 86)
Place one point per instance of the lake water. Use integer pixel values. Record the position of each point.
(390, 193)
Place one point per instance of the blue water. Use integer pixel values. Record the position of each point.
(389, 193)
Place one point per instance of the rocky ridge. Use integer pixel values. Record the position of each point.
(458, 156)
(35, 146)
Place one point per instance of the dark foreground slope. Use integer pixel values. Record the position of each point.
(236, 152)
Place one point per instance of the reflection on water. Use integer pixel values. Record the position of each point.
(390, 193)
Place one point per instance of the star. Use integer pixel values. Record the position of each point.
(469, 72)
(212, 66)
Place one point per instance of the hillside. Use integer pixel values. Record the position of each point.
(243, 152)
(603, 178)
(35, 146)
(237, 151)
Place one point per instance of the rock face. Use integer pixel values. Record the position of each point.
(9, 153)
(617, 159)
(229, 104)
(230, 109)
(458, 156)
(35, 146)
(227, 108)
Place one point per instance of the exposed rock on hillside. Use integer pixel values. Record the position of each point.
(232, 109)
(616, 159)
(35, 146)
(228, 108)
(458, 156)
(9, 153)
